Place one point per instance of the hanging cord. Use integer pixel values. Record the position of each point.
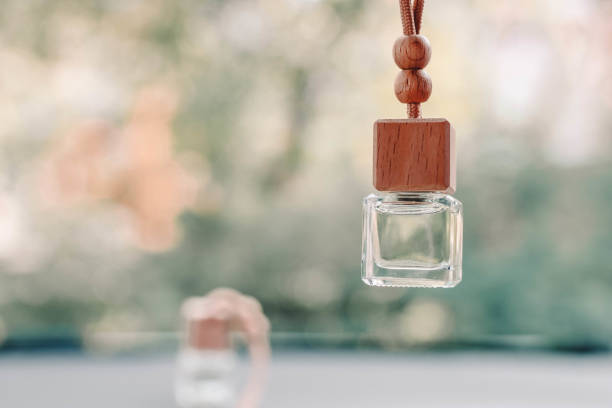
(412, 16)
(407, 17)
(419, 5)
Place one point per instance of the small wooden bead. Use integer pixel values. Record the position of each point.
(412, 52)
(412, 86)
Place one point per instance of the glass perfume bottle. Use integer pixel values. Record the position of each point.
(412, 230)
(207, 366)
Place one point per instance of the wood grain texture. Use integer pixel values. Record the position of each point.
(412, 86)
(414, 155)
(412, 51)
(208, 334)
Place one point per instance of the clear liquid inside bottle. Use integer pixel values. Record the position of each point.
(412, 240)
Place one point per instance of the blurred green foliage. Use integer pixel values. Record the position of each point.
(288, 228)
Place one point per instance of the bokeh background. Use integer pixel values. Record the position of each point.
(154, 150)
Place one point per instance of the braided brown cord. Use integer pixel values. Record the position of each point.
(412, 16)
(407, 17)
(419, 5)
(414, 110)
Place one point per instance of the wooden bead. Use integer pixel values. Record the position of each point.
(412, 86)
(412, 52)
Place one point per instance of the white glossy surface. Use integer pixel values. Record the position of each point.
(324, 379)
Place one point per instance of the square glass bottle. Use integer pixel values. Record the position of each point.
(413, 229)
(411, 239)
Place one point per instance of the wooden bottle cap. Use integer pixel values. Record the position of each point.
(208, 334)
(414, 155)
(206, 323)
